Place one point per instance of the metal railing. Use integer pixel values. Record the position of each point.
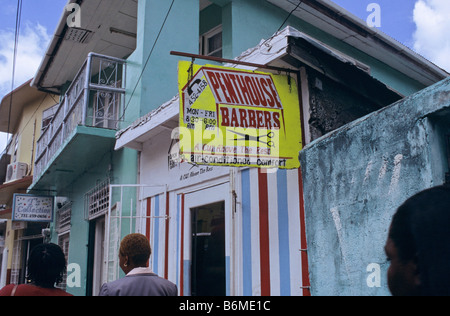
(95, 98)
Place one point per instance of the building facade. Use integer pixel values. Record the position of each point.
(116, 73)
(260, 216)
(24, 113)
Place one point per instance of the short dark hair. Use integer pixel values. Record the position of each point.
(421, 231)
(137, 248)
(46, 265)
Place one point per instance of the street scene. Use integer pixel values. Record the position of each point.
(224, 148)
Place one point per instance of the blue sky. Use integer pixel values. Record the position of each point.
(39, 21)
(422, 25)
(396, 16)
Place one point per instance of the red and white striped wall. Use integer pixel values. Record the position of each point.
(266, 251)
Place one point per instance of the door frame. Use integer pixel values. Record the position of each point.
(96, 249)
(197, 197)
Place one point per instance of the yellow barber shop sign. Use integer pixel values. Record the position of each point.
(233, 117)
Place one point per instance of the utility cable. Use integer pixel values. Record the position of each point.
(148, 59)
(290, 14)
(16, 45)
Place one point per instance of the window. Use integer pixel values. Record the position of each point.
(48, 115)
(211, 42)
(64, 218)
(97, 201)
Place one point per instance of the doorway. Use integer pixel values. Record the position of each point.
(208, 241)
(96, 256)
(208, 276)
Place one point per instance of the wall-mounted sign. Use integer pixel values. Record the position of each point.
(233, 117)
(32, 208)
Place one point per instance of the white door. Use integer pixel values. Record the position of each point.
(99, 247)
(207, 227)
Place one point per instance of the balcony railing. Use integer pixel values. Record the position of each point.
(95, 98)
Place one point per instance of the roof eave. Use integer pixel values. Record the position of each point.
(370, 38)
(52, 50)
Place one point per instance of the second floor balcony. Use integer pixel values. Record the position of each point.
(84, 124)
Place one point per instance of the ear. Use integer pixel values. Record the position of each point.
(417, 277)
(413, 275)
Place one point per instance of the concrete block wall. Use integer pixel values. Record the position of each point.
(356, 177)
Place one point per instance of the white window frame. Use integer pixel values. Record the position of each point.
(204, 41)
(97, 200)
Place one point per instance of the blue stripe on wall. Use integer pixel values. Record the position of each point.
(246, 233)
(283, 231)
(187, 278)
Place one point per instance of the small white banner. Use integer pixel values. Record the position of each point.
(33, 208)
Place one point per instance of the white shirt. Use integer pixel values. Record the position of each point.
(140, 271)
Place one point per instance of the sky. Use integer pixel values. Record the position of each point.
(39, 21)
(422, 25)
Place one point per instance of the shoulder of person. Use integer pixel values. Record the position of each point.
(170, 286)
(7, 290)
(104, 290)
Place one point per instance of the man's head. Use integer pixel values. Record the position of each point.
(418, 245)
(134, 252)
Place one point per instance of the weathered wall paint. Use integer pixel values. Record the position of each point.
(356, 177)
(333, 105)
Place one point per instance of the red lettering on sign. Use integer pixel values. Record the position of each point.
(248, 118)
(225, 117)
(243, 118)
(252, 119)
(243, 89)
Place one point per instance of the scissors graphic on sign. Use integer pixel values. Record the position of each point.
(247, 137)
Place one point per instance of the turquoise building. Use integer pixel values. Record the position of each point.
(115, 71)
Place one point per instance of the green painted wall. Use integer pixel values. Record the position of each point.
(245, 23)
(159, 78)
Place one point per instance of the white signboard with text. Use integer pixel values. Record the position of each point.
(33, 208)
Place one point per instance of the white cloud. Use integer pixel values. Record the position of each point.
(432, 37)
(33, 42)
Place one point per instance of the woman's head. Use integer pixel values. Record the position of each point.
(134, 252)
(419, 245)
(46, 265)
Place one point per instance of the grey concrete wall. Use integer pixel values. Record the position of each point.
(356, 177)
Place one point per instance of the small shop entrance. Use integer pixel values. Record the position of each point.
(208, 276)
(207, 241)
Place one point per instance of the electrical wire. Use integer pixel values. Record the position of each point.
(16, 45)
(264, 43)
(148, 59)
(290, 14)
(156, 41)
